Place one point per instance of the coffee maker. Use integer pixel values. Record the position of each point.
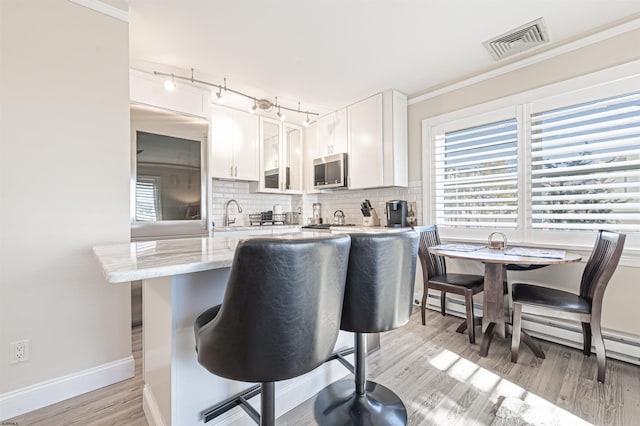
(396, 214)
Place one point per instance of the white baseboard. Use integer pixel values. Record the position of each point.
(618, 347)
(49, 392)
(150, 408)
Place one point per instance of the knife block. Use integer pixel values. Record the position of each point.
(372, 220)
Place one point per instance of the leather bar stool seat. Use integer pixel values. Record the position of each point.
(280, 314)
(378, 297)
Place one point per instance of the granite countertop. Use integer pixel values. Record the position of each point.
(254, 228)
(374, 229)
(152, 259)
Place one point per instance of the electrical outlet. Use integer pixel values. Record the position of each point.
(19, 351)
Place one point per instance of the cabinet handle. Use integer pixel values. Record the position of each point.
(235, 173)
(231, 170)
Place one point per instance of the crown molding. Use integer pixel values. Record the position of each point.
(104, 8)
(560, 50)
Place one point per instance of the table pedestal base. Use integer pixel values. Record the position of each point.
(524, 338)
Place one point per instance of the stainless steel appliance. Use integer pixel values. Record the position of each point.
(317, 213)
(396, 213)
(330, 172)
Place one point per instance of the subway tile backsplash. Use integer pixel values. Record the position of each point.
(250, 202)
(347, 201)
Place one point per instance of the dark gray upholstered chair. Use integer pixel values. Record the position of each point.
(378, 297)
(280, 315)
(435, 276)
(585, 307)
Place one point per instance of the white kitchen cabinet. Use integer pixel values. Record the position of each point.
(292, 157)
(234, 144)
(280, 157)
(148, 89)
(377, 136)
(331, 133)
(309, 154)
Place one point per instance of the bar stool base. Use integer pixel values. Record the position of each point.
(338, 404)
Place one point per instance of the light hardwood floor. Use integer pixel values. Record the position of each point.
(439, 376)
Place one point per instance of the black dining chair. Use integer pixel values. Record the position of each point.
(279, 318)
(586, 306)
(435, 276)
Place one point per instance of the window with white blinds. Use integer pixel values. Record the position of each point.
(585, 166)
(148, 199)
(476, 176)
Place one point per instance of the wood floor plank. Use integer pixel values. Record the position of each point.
(440, 377)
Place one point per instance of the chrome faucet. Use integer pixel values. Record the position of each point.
(227, 220)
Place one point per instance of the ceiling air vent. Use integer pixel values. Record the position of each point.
(518, 40)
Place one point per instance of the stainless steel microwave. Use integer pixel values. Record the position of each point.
(330, 171)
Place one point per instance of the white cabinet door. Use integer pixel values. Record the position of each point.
(221, 164)
(331, 133)
(245, 146)
(310, 153)
(324, 135)
(365, 143)
(234, 144)
(270, 146)
(292, 158)
(281, 146)
(340, 131)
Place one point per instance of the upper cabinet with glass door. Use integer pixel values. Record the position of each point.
(280, 157)
(293, 158)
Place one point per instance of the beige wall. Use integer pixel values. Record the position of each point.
(64, 182)
(605, 54)
(622, 291)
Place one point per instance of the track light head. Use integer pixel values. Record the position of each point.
(170, 85)
(219, 97)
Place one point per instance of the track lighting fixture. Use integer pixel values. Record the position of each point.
(219, 95)
(170, 85)
(262, 104)
(254, 107)
(306, 121)
(280, 115)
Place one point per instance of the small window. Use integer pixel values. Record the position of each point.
(476, 174)
(585, 166)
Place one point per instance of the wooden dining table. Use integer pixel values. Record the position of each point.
(495, 267)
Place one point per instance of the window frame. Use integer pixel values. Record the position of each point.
(602, 84)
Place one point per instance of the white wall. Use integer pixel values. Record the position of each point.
(623, 290)
(64, 187)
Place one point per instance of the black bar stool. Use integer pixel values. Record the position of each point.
(378, 297)
(279, 317)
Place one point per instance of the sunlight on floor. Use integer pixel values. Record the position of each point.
(466, 371)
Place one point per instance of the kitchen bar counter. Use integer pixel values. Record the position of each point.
(258, 228)
(151, 259)
(181, 278)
